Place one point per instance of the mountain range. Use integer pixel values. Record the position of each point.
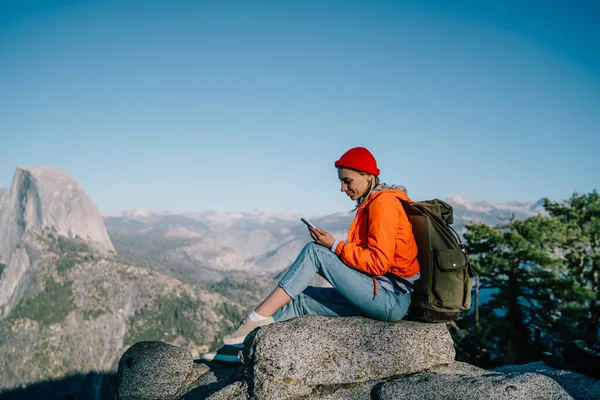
(206, 246)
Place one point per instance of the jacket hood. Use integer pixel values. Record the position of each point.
(385, 186)
(399, 190)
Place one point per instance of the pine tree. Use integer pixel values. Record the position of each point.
(537, 301)
(580, 217)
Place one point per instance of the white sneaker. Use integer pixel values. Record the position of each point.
(246, 327)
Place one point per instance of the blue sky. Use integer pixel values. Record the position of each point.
(237, 105)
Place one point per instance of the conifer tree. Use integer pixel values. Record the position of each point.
(536, 300)
(580, 217)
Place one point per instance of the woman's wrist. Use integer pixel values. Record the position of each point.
(334, 246)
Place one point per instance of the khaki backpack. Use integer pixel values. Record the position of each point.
(443, 291)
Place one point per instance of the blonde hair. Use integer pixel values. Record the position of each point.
(372, 185)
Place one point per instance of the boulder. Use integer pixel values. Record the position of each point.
(487, 386)
(579, 386)
(318, 357)
(156, 370)
(294, 358)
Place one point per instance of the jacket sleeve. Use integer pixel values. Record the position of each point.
(383, 218)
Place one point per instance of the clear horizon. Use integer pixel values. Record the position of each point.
(236, 106)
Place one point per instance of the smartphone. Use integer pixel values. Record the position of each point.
(308, 223)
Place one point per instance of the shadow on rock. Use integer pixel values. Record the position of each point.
(229, 380)
(94, 385)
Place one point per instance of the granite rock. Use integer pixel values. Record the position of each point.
(299, 356)
(156, 370)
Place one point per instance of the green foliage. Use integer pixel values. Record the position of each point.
(216, 343)
(542, 271)
(69, 245)
(71, 251)
(244, 288)
(228, 324)
(2, 267)
(93, 314)
(580, 218)
(229, 312)
(169, 317)
(62, 244)
(48, 307)
(65, 263)
(165, 319)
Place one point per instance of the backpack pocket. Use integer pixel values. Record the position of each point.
(450, 260)
(451, 281)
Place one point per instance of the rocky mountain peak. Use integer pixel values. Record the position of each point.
(48, 197)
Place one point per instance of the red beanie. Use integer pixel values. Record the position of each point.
(360, 159)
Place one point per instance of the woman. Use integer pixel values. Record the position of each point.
(371, 274)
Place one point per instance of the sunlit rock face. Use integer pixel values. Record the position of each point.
(48, 197)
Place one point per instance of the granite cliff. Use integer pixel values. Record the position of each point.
(42, 198)
(48, 197)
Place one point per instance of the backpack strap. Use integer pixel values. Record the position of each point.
(472, 272)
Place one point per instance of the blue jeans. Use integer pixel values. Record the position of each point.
(352, 293)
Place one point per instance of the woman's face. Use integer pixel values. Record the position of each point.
(354, 184)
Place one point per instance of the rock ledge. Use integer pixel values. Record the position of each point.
(339, 358)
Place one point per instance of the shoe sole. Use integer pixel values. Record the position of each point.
(221, 357)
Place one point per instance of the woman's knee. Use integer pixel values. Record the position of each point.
(309, 250)
(320, 253)
(321, 257)
(310, 247)
(313, 251)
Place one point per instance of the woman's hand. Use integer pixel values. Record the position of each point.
(322, 237)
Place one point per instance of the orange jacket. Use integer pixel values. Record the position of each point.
(389, 245)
